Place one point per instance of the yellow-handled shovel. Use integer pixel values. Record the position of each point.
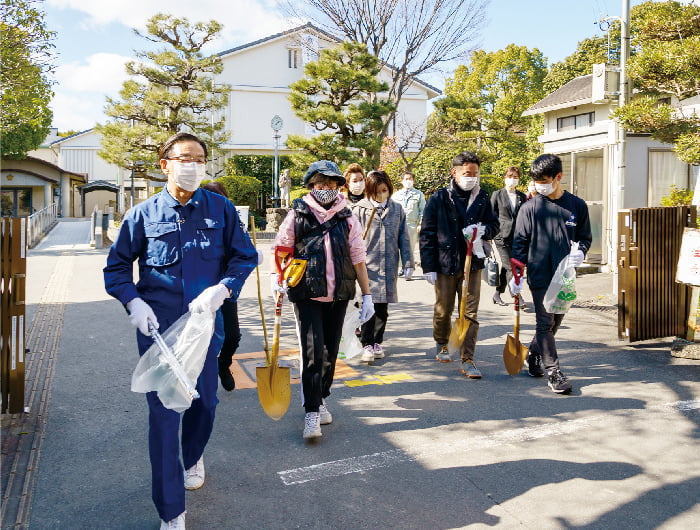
(462, 322)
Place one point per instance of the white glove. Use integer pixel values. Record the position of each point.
(367, 309)
(210, 299)
(275, 285)
(260, 256)
(408, 273)
(469, 231)
(515, 288)
(140, 314)
(575, 259)
(431, 277)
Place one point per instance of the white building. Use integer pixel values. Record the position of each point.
(578, 129)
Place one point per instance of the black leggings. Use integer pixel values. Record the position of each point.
(373, 329)
(232, 332)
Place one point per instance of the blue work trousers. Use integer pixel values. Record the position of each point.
(164, 444)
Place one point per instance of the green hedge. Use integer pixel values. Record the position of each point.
(243, 191)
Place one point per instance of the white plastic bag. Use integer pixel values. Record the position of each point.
(350, 345)
(189, 339)
(561, 292)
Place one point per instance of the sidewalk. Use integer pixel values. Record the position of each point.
(413, 444)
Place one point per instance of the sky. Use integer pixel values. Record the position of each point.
(95, 38)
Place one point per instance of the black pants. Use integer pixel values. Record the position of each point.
(373, 329)
(232, 332)
(546, 326)
(320, 326)
(505, 273)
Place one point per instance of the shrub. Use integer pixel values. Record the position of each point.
(243, 191)
(678, 197)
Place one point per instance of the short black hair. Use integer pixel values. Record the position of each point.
(466, 157)
(545, 166)
(164, 151)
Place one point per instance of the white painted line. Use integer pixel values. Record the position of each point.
(346, 466)
(359, 464)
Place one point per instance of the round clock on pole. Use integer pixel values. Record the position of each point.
(277, 123)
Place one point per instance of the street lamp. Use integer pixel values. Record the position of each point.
(136, 168)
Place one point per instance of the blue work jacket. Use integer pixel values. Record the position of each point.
(181, 250)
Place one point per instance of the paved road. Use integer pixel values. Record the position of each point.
(413, 444)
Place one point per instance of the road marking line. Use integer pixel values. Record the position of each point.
(378, 380)
(359, 464)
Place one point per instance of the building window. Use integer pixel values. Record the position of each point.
(16, 202)
(293, 57)
(665, 169)
(578, 121)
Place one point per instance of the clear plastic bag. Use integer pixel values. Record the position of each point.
(188, 339)
(350, 345)
(561, 292)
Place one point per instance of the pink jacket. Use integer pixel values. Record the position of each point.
(358, 253)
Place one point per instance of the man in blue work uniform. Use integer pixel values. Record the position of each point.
(193, 254)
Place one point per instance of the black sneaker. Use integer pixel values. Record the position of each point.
(225, 376)
(559, 383)
(534, 364)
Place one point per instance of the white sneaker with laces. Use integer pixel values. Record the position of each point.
(324, 413)
(470, 370)
(367, 354)
(312, 425)
(174, 524)
(194, 476)
(378, 351)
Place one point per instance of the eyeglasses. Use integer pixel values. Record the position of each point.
(187, 159)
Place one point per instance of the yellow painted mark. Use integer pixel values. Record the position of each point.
(379, 380)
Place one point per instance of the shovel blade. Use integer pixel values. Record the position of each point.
(514, 355)
(274, 389)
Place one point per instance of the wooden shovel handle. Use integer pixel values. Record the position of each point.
(369, 223)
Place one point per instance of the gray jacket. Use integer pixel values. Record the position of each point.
(386, 237)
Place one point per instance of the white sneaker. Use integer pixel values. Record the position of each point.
(324, 413)
(174, 524)
(367, 354)
(470, 370)
(312, 425)
(194, 476)
(378, 351)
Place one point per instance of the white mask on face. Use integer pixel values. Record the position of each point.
(531, 188)
(188, 175)
(511, 183)
(466, 183)
(544, 189)
(408, 184)
(356, 188)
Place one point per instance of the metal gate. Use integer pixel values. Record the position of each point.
(651, 304)
(14, 269)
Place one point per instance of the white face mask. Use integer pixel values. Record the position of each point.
(531, 188)
(356, 188)
(511, 183)
(467, 183)
(188, 175)
(544, 189)
(408, 184)
(381, 197)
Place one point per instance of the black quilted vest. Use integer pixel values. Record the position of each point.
(309, 245)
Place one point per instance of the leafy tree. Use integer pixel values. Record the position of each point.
(27, 59)
(175, 92)
(408, 37)
(483, 105)
(678, 197)
(665, 70)
(243, 191)
(339, 97)
(259, 167)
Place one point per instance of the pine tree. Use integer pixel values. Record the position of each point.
(171, 90)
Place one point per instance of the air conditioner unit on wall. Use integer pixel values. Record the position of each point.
(606, 83)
